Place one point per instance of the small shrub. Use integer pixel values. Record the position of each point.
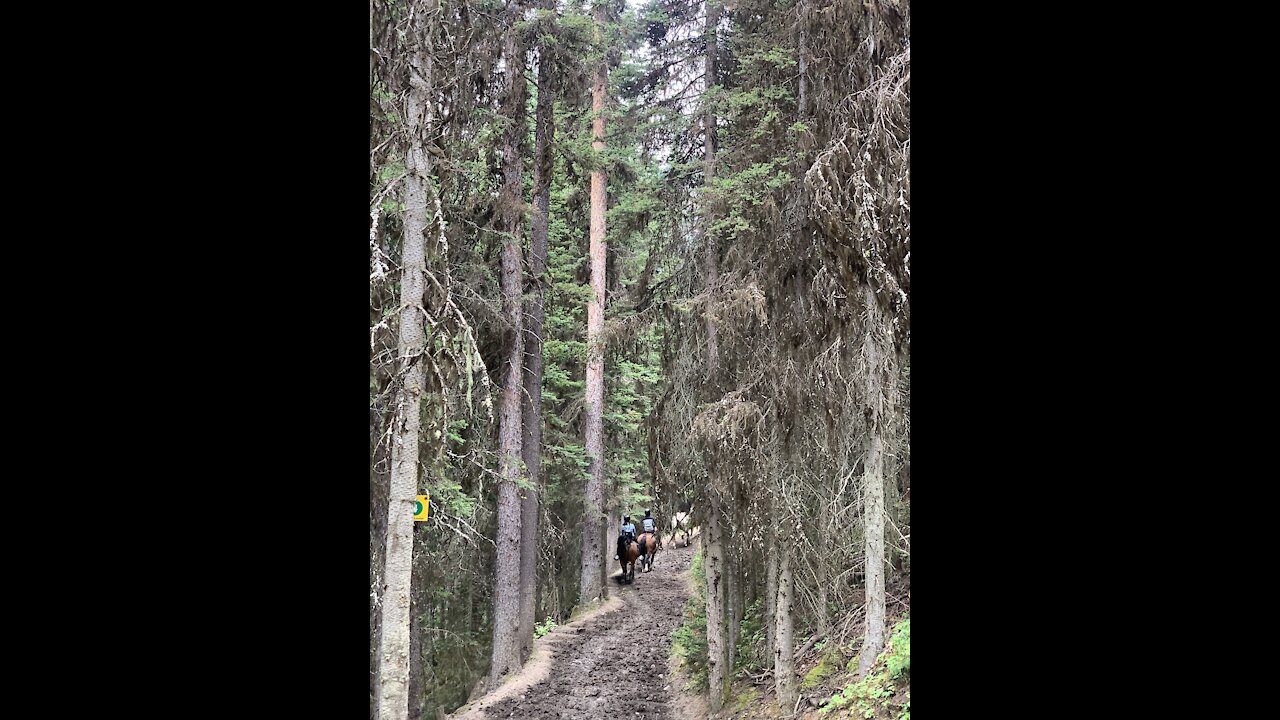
(689, 643)
(542, 628)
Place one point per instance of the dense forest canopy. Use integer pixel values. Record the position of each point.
(652, 254)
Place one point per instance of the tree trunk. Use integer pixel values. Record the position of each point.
(416, 611)
(873, 493)
(532, 448)
(739, 577)
(802, 51)
(733, 609)
(783, 675)
(393, 650)
(713, 562)
(714, 557)
(771, 591)
(507, 587)
(591, 585)
(709, 171)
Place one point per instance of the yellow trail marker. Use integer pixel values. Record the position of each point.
(420, 511)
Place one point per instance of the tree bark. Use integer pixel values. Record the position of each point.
(532, 448)
(709, 171)
(713, 560)
(802, 51)
(783, 674)
(771, 590)
(591, 584)
(714, 557)
(416, 596)
(733, 605)
(873, 492)
(507, 588)
(713, 563)
(393, 651)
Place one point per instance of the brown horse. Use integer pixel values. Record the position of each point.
(629, 558)
(648, 548)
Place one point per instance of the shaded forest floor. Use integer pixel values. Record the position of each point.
(596, 666)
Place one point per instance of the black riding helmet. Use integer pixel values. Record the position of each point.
(646, 513)
(626, 519)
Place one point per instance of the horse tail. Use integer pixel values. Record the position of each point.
(642, 545)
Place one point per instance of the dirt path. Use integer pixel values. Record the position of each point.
(591, 669)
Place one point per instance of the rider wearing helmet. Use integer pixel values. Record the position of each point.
(650, 525)
(628, 536)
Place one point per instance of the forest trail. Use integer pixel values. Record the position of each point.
(574, 672)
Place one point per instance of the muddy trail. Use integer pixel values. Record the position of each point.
(598, 668)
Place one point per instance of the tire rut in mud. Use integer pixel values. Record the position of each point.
(596, 672)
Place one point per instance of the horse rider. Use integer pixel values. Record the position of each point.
(650, 525)
(628, 536)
